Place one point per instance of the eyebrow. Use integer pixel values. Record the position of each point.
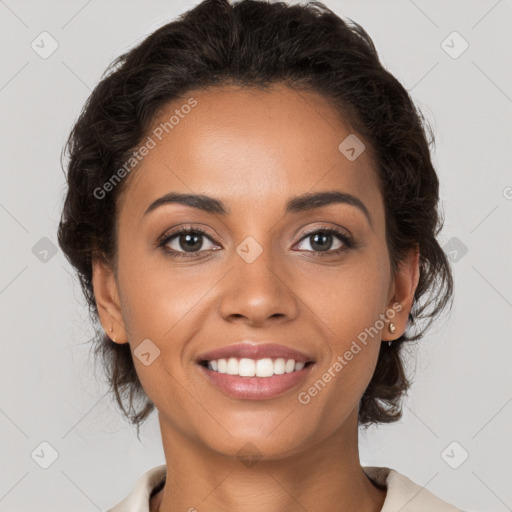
(298, 204)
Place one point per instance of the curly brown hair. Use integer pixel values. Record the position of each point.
(256, 44)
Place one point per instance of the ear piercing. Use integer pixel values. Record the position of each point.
(392, 330)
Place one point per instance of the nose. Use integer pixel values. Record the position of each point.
(258, 292)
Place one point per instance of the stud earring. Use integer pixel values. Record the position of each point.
(392, 330)
(112, 330)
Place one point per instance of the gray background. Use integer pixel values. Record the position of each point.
(50, 389)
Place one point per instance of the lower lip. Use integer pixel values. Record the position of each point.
(255, 388)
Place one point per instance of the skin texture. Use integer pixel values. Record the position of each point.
(254, 150)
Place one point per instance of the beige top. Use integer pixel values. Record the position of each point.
(402, 494)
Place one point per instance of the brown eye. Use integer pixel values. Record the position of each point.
(322, 241)
(186, 240)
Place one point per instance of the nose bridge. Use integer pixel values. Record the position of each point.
(257, 288)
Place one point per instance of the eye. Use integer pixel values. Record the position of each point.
(188, 242)
(185, 240)
(321, 241)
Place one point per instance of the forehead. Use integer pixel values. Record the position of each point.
(249, 145)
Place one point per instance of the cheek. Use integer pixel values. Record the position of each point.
(351, 339)
(348, 299)
(349, 305)
(156, 296)
(156, 303)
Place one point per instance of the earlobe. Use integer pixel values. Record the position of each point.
(405, 284)
(107, 301)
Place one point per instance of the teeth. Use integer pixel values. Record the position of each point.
(221, 365)
(246, 367)
(290, 366)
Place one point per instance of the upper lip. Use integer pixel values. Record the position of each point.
(253, 350)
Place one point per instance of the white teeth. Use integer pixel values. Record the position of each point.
(232, 366)
(290, 366)
(279, 366)
(221, 365)
(246, 367)
(299, 366)
(264, 367)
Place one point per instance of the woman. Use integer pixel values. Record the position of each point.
(252, 212)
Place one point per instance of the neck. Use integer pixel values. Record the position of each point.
(325, 476)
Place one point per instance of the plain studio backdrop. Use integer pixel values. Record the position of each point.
(64, 445)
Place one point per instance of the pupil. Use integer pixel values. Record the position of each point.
(322, 237)
(191, 242)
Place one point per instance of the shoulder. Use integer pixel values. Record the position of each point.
(405, 495)
(139, 496)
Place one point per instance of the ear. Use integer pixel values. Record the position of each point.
(404, 285)
(107, 301)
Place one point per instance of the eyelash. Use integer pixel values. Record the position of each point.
(165, 239)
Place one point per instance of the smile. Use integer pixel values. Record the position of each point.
(251, 379)
(246, 367)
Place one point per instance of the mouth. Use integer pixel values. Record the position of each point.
(247, 367)
(249, 379)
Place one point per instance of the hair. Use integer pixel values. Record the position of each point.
(257, 44)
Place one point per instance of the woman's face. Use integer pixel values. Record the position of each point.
(261, 273)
